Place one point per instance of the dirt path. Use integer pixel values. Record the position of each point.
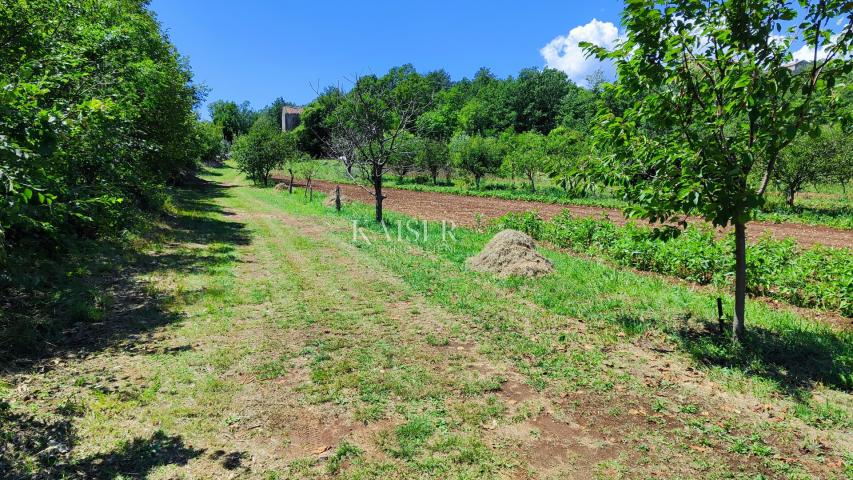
(465, 211)
(296, 354)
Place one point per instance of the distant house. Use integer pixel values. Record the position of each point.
(291, 117)
(797, 66)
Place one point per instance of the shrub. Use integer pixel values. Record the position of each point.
(261, 150)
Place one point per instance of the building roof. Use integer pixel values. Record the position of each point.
(797, 66)
(293, 109)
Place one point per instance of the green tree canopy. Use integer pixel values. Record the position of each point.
(813, 159)
(432, 156)
(717, 99)
(233, 119)
(537, 96)
(569, 160)
(97, 110)
(527, 155)
(262, 149)
(475, 154)
(316, 126)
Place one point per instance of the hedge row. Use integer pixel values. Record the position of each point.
(818, 277)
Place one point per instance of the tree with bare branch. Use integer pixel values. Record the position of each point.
(370, 126)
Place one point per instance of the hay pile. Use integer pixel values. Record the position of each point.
(330, 200)
(280, 187)
(511, 253)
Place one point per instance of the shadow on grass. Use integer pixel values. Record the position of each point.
(829, 211)
(90, 298)
(33, 448)
(794, 359)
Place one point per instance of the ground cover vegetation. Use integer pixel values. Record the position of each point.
(115, 257)
(586, 289)
(246, 363)
(818, 277)
(779, 359)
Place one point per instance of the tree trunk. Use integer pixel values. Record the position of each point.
(290, 184)
(477, 181)
(532, 183)
(790, 197)
(310, 191)
(377, 192)
(434, 173)
(740, 282)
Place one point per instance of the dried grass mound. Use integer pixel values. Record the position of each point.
(511, 253)
(330, 200)
(280, 187)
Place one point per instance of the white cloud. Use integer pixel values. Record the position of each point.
(564, 53)
(807, 53)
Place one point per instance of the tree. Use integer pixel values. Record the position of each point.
(488, 110)
(442, 120)
(536, 98)
(717, 98)
(527, 155)
(475, 154)
(568, 159)
(837, 168)
(438, 80)
(292, 156)
(273, 110)
(409, 87)
(432, 156)
(307, 168)
(809, 160)
(841, 171)
(261, 150)
(316, 125)
(367, 128)
(402, 160)
(233, 119)
(208, 137)
(96, 116)
(577, 108)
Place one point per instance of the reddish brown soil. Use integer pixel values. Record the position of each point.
(465, 210)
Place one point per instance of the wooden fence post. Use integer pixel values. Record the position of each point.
(720, 315)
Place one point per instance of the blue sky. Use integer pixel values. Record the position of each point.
(258, 50)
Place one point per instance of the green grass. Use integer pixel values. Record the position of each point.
(783, 352)
(817, 277)
(269, 327)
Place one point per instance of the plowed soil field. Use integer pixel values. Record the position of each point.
(465, 210)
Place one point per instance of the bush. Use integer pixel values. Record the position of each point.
(476, 155)
(261, 150)
(96, 117)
